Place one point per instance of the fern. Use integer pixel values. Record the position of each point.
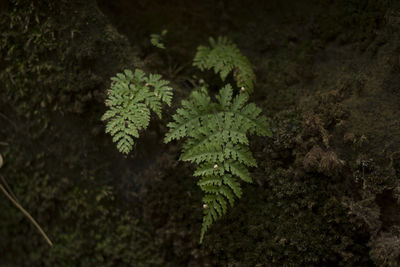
(157, 39)
(224, 57)
(130, 99)
(215, 132)
(216, 140)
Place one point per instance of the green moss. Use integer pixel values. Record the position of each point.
(57, 62)
(86, 225)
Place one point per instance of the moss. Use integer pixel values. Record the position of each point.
(288, 224)
(58, 62)
(85, 225)
(350, 21)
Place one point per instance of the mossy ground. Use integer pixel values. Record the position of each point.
(326, 191)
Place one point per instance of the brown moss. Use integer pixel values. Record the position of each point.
(386, 249)
(325, 162)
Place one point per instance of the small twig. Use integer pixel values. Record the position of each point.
(26, 214)
(8, 188)
(3, 144)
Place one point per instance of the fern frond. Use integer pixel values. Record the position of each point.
(157, 39)
(224, 57)
(131, 97)
(216, 140)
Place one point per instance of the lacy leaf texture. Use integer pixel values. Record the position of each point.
(224, 57)
(216, 140)
(130, 99)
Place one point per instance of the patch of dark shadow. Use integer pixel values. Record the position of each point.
(392, 85)
(144, 164)
(390, 208)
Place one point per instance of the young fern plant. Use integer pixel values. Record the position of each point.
(215, 132)
(224, 57)
(216, 140)
(130, 99)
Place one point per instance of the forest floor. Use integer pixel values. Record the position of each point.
(326, 190)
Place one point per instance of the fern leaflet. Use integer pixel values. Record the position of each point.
(157, 39)
(224, 57)
(130, 99)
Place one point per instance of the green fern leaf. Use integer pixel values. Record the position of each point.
(224, 57)
(189, 117)
(239, 170)
(233, 185)
(210, 180)
(157, 39)
(216, 140)
(131, 97)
